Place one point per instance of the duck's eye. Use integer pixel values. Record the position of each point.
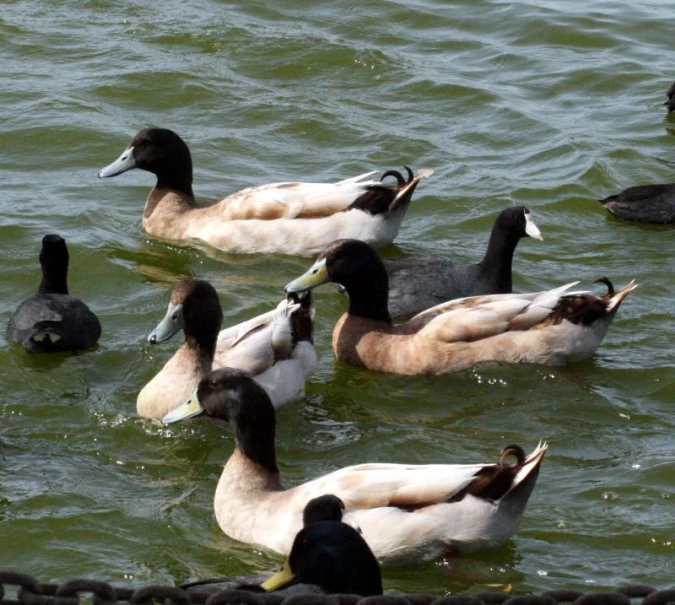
(213, 384)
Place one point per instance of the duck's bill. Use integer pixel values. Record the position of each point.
(280, 579)
(172, 323)
(531, 227)
(315, 276)
(190, 408)
(123, 163)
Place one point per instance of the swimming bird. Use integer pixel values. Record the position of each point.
(553, 327)
(408, 513)
(275, 347)
(290, 218)
(52, 320)
(645, 203)
(333, 556)
(670, 98)
(415, 284)
(326, 559)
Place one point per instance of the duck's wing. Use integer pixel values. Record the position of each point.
(257, 344)
(412, 487)
(478, 317)
(292, 200)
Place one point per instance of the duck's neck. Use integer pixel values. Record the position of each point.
(256, 442)
(179, 179)
(369, 298)
(499, 256)
(54, 280)
(202, 340)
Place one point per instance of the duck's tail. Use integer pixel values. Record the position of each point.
(613, 298)
(386, 199)
(525, 479)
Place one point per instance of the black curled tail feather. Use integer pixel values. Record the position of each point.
(382, 199)
(513, 450)
(399, 177)
(494, 481)
(609, 284)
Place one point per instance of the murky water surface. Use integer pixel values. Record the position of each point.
(548, 104)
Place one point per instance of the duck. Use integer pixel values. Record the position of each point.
(407, 513)
(52, 320)
(415, 284)
(327, 557)
(276, 347)
(553, 327)
(644, 203)
(670, 98)
(292, 217)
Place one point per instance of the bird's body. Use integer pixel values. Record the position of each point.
(552, 327)
(276, 348)
(645, 203)
(416, 284)
(289, 217)
(407, 513)
(52, 320)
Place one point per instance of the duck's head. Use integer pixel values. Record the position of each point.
(346, 262)
(194, 307)
(227, 394)
(54, 264)
(159, 151)
(331, 555)
(358, 269)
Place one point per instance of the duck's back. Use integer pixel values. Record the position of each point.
(47, 323)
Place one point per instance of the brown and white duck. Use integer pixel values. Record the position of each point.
(407, 513)
(553, 327)
(276, 348)
(290, 218)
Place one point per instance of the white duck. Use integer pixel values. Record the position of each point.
(408, 513)
(275, 348)
(291, 218)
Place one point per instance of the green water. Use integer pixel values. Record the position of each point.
(548, 104)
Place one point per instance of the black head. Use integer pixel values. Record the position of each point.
(323, 508)
(350, 261)
(54, 263)
(194, 307)
(232, 395)
(202, 313)
(359, 270)
(160, 151)
(335, 557)
(513, 221)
